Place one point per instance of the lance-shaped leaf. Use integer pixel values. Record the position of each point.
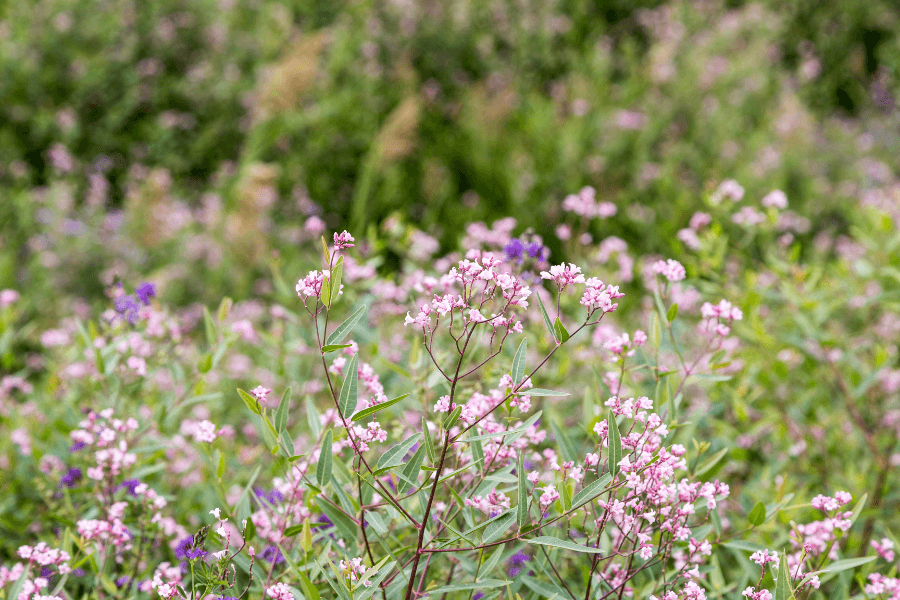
(546, 540)
(757, 516)
(281, 414)
(541, 392)
(335, 278)
(337, 336)
(518, 364)
(312, 418)
(522, 514)
(561, 332)
(348, 398)
(783, 585)
(323, 468)
(615, 444)
(394, 456)
(546, 316)
(249, 400)
(498, 527)
(591, 491)
(506, 435)
(366, 412)
(327, 348)
(429, 443)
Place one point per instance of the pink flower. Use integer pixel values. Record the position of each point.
(564, 275)
(280, 591)
(204, 431)
(343, 240)
(670, 269)
(260, 393)
(8, 297)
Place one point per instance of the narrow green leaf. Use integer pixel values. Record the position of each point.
(452, 418)
(366, 412)
(366, 592)
(306, 536)
(394, 456)
(498, 527)
(212, 337)
(281, 414)
(506, 435)
(375, 520)
(204, 364)
(522, 513)
(477, 452)
(323, 467)
(337, 336)
(325, 293)
(459, 587)
(518, 365)
(325, 253)
(411, 470)
(293, 530)
(857, 509)
(546, 540)
(615, 443)
(561, 332)
(312, 418)
(336, 274)
(334, 347)
(493, 560)
(673, 312)
(710, 463)
(546, 316)
(541, 392)
(309, 590)
(655, 332)
(783, 589)
(220, 470)
(429, 443)
(757, 516)
(349, 396)
(250, 401)
(565, 443)
(591, 491)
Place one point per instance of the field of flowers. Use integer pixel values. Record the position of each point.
(453, 300)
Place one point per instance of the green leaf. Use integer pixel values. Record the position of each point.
(220, 470)
(615, 443)
(334, 347)
(561, 333)
(491, 563)
(522, 513)
(205, 363)
(710, 463)
(374, 409)
(429, 443)
(323, 467)
(412, 468)
(375, 520)
(349, 396)
(336, 274)
(453, 417)
(309, 590)
(306, 536)
(757, 516)
(250, 401)
(459, 587)
(498, 527)
(337, 336)
(655, 331)
(742, 545)
(312, 418)
(325, 293)
(366, 592)
(394, 456)
(783, 589)
(546, 316)
(541, 392)
(565, 443)
(518, 365)
(281, 414)
(545, 540)
(857, 509)
(293, 530)
(591, 491)
(210, 328)
(673, 312)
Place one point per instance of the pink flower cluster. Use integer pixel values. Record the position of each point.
(670, 269)
(715, 314)
(492, 505)
(584, 204)
(354, 569)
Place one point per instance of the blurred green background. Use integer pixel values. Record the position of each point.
(437, 113)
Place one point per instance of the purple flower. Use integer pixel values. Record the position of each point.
(123, 581)
(478, 596)
(516, 562)
(273, 497)
(514, 249)
(71, 478)
(145, 291)
(536, 250)
(184, 545)
(76, 446)
(272, 554)
(128, 307)
(130, 485)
